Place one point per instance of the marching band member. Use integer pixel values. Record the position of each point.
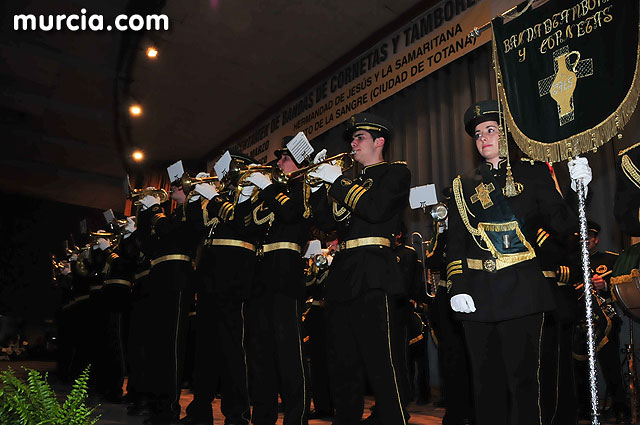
(275, 309)
(171, 240)
(497, 286)
(364, 282)
(226, 271)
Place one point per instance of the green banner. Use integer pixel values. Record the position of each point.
(567, 74)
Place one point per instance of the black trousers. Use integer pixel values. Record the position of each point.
(608, 358)
(360, 342)
(220, 359)
(140, 321)
(316, 327)
(505, 365)
(454, 366)
(559, 400)
(276, 363)
(165, 340)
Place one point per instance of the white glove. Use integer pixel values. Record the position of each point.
(202, 175)
(246, 193)
(327, 172)
(103, 244)
(207, 190)
(130, 227)
(259, 179)
(149, 201)
(579, 170)
(74, 257)
(320, 156)
(462, 303)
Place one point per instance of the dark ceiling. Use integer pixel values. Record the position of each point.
(65, 130)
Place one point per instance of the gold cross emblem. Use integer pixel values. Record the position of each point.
(482, 195)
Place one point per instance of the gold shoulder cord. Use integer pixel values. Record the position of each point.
(205, 215)
(306, 194)
(259, 221)
(631, 170)
(463, 209)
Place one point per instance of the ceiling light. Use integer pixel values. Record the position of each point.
(152, 52)
(137, 155)
(135, 110)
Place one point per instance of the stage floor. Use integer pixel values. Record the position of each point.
(116, 414)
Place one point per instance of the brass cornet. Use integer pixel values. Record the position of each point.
(238, 173)
(188, 182)
(136, 195)
(344, 160)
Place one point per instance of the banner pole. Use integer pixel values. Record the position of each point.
(586, 275)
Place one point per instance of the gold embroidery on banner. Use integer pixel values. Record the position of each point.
(482, 195)
(562, 85)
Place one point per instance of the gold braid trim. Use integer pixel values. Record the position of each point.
(588, 140)
(623, 151)
(631, 170)
(306, 194)
(504, 260)
(626, 277)
(269, 217)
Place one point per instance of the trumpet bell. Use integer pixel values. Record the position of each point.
(136, 195)
(439, 212)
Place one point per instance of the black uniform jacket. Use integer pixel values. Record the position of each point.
(280, 212)
(372, 205)
(491, 240)
(627, 199)
(228, 271)
(121, 266)
(176, 233)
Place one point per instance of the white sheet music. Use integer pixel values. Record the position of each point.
(423, 196)
(300, 148)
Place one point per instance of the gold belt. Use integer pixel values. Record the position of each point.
(142, 274)
(233, 242)
(490, 264)
(372, 240)
(170, 257)
(117, 282)
(268, 247)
